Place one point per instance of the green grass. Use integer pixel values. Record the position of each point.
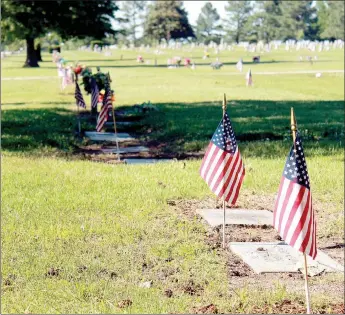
(108, 227)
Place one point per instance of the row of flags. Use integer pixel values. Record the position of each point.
(106, 103)
(223, 171)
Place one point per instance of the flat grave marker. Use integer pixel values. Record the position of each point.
(108, 136)
(280, 257)
(214, 217)
(146, 161)
(126, 150)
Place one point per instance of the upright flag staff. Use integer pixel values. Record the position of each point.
(224, 111)
(113, 112)
(294, 129)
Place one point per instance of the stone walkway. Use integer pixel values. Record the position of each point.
(129, 144)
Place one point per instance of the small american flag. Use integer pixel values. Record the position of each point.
(239, 65)
(78, 96)
(293, 215)
(249, 78)
(94, 93)
(222, 167)
(106, 106)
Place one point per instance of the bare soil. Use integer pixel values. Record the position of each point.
(241, 275)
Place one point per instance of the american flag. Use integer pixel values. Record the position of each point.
(239, 65)
(293, 215)
(249, 78)
(78, 96)
(222, 167)
(106, 106)
(94, 93)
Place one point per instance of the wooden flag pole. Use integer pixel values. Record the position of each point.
(79, 125)
(306, 285)
(113, 112)
(224, 111)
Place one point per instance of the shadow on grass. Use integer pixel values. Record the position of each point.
(261, 127)
(25, 130)
(190, 126)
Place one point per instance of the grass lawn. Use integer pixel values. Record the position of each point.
(80, 237)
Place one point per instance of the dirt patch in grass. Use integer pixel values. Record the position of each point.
(240, 275)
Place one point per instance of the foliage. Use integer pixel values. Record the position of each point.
(101, 78)
(167, 20)
(238, 13)
(31, 19)
(133, 17)
(333, 20)
(207, 24)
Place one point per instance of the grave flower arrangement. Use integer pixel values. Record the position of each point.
(100, 77)
(140, 59)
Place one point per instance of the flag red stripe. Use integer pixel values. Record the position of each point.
(229, 176)
(294, 208)
(211, 159)
(234, 199)
(222, 175)
(285, 202)
(216, 167)
(300, 224)
(233, 183)
(277, 200)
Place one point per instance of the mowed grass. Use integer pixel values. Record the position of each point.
(105, 229)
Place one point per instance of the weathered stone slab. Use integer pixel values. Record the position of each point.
(146, 161)
(214, 217)
(108, 136)
(280, 257)
(126, 150)
(119, 123)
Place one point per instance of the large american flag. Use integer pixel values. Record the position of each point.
(293, 215)
(78, 96)
(222, 167)
(94, 93)
(106, 106)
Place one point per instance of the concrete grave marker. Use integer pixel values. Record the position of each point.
(214, 217)
(280, 257)
(126, 150)
(108, 136)
(146, 161)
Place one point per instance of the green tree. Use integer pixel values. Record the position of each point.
(299, 19)
(30, 19)
(167, 20)
(238, 13)
(133, 18)
(207, 24)
(333, 20)
(267, 21)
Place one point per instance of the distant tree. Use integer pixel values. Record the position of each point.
(30, 19)
(332, 20)
(207, 24)
(299, 19)
(167, 20)
(267, 21)
(133, 18)
(236, 23)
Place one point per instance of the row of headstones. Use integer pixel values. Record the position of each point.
(307, 44)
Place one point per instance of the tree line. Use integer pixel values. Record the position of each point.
(147, 22)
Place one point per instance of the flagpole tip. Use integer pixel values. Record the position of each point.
(224, 104)
(293, 121)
